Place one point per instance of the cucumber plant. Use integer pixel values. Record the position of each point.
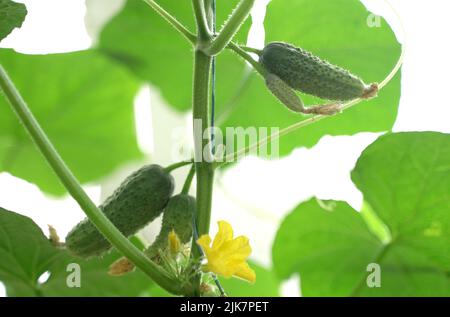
(147, 193)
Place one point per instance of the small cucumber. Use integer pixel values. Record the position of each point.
(303, 71)
(177, 216)
(137, 201)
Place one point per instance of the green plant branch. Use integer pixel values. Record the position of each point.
(72, 185)
(200, 17)
(203, 166)
(192, 38)
(172, 21)
(238, 50)
(174, 166)
(252, 50)
(203, 155)
(231, 27)
(209, 13)
(188, 181)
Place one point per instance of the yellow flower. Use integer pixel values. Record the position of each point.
(174, 242)
(227, 256)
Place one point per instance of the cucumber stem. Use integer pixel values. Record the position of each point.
(188, 181)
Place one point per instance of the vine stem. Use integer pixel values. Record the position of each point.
(201, 19)
(103, 224)
(172, 21)
(203, 159)
(230, 28)
(175, 166)
(188, 181)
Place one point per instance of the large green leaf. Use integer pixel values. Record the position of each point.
(85, 105)
(95, 280)
(26, 254)
(12, 15)
(337, 31)
(143, 41)
(329, 247)
(405, 179)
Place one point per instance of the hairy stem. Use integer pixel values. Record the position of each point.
(203, 165)
(72, 185)
(203, 156)
(231, 27)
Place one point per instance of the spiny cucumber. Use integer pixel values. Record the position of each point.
(137, 201)
(177, 216)
(303, 71)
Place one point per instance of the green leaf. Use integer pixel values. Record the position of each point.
(145, 43)
(95, 280)
(12, 15)
(266, 284)
(85, 105)
(338, 32)
(404, 178)
(329, 246)
(26, 254)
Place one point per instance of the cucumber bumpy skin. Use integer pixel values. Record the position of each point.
(140, 198)
(177, 216)
(307, 73)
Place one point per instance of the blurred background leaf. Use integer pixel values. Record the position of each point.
(405, 177)
(141, 40)
(95, 280)
(26, 254)
(329, 248)
(12, 15)
(336, 31)
(84, 103)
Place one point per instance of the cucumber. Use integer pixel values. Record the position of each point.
(177, 216)
(303, 71)
(140, 198)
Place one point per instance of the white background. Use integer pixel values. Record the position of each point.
(255, 194)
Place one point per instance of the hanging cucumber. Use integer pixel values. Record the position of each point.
(177, 216)
(140, 198)
(291, 68)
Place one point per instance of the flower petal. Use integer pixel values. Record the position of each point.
(245, 272)
(225, 233)
(204, 241)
